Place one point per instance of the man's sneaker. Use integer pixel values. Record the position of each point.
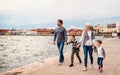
(60, 64)
(101, 70)
(85, 69)
(71, 65)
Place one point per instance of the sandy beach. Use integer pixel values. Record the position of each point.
(50, 66)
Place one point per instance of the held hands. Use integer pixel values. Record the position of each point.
(65, 43)
(93, 46)
(78, 46)
(104, 57)
(54, 43)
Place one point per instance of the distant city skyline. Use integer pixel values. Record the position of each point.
(44, 13)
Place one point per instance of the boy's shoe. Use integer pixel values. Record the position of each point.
(85, 69)
(101, 69)
(71, 65)
(80, 62)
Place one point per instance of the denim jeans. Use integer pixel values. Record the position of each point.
(100, 61)
(60, 45)
(86, 50)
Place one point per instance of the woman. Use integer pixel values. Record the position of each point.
(87, 40)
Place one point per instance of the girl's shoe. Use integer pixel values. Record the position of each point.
(101, 69)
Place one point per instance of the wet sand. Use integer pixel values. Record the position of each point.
(50, 66)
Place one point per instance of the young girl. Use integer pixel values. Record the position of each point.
(75, 50)
(100, 53)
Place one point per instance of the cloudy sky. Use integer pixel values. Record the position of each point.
(44, 13)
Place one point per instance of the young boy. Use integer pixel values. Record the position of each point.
(101, 54)
(75, 50)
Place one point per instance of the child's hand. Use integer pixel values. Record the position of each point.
(78, 46)
(93, 46)
(65, 43)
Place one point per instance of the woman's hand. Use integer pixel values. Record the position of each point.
(93, 46)
(54, 43)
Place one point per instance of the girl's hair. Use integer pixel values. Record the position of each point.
(99, 41)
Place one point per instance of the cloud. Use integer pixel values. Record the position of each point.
(27, 12)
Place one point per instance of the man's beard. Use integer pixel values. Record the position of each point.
(58, 25)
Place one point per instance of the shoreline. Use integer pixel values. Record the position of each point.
(53, 35)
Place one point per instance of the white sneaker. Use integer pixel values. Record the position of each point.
(85, 69)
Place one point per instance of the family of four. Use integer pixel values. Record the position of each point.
(87, 41)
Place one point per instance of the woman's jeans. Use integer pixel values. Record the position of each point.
(100, 61)
(60, 45)
(87, 49)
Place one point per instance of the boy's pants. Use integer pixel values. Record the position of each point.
(100, 61)
(74, 51)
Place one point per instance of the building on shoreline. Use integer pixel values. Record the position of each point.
(74, 31)
(4, 31)
(103, 29)
(118, 26)
(99, 29)
(17, 32)
(109, 28)
(23, 32)
(44, 31)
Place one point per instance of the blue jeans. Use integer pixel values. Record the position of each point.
(100, 61)
(60, 45)
(86, 50)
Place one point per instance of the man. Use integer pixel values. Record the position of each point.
(87, 40)
(60, 36)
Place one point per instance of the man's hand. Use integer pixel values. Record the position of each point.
(65, 43)
(54, 43)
